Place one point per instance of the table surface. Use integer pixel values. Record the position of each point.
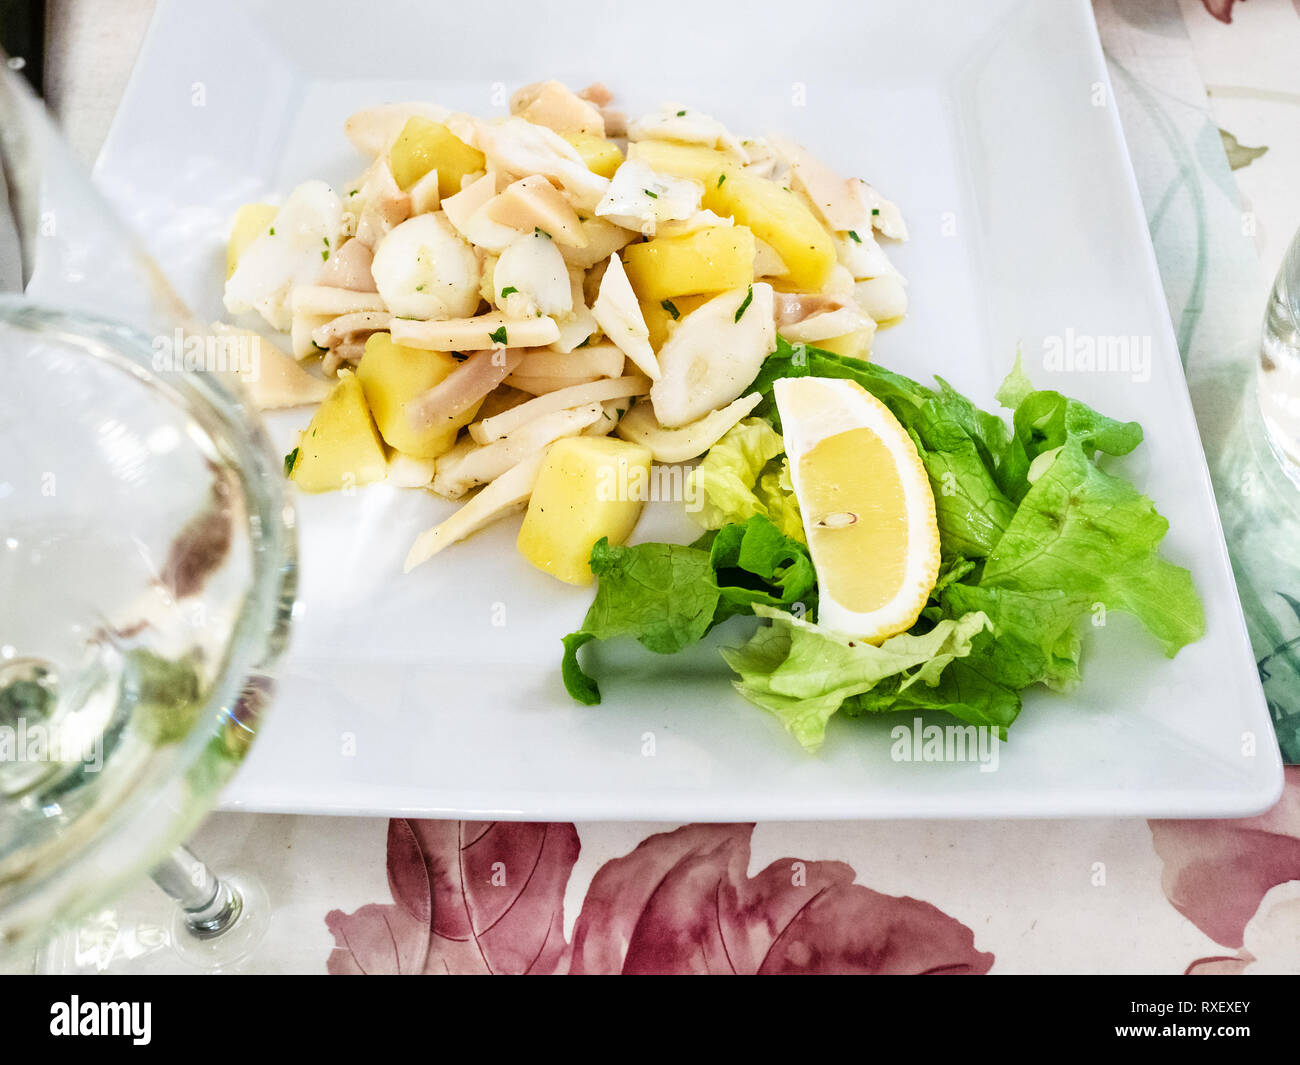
(1209, 96)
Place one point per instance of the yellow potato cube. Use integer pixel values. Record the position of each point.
(682, 160)
(251, 221)
(601, 156)
(392, 375)
(777, 216)
(854, 345)
(712, 259)
(659, 319)
(341, 447)
(588, 487)
(425, 145)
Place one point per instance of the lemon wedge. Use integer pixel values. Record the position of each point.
(868, 511)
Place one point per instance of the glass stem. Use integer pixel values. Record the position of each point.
(211, 906)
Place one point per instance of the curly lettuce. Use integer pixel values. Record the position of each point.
(1035, 536)
(667, 596)
(803, 674)
(745, 474)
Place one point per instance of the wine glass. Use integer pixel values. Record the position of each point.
(147, 572)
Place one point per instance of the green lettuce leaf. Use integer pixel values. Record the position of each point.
(667, 596)
(659, 594)
(742, 475)
(969, 507)
(775, 492)
(755, 562)
(803, 674)
(1043, 421)
(1093, 537)
(900, 394)
(968, 690)
(959, 445)
(1015, 386)
(1036, 632)
(1032, 639)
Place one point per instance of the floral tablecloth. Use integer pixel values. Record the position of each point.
(1209, 95)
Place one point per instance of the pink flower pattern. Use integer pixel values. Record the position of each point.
(489, 898)
(474, 897)
(1217, 873)
(1220, 9)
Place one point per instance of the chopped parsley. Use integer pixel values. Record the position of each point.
(721, 179)
(419, 288)
(652, 195)
(539, 231)
(680, 113)
(749, 298)
(854, 234)
(671, 308)
(290, 461)
(325, 255)
(272, 231)
(875, 211)
(498, 336)
(508, 290)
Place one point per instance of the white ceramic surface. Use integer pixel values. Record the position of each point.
(438, 694)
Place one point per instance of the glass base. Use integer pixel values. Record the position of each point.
(144, 933)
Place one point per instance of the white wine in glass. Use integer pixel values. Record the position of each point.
(147, 573)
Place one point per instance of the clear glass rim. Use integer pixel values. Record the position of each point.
(259, 634)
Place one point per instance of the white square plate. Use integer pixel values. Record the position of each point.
(439, 693)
